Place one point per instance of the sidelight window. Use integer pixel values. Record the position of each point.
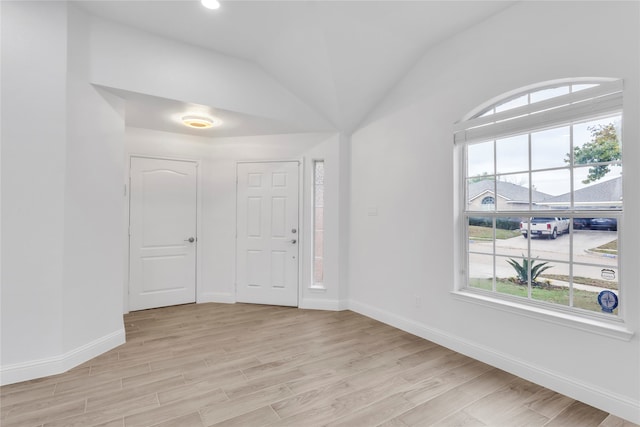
(318, 223)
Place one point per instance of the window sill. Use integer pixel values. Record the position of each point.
(609, 329)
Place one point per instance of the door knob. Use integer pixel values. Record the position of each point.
(293, 240)
(190, 240)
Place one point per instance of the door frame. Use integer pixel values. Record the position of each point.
(127, 222)
(301, 223)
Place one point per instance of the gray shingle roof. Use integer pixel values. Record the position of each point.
(606, 191)
(509, 191)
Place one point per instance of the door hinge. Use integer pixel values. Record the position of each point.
(125, 190)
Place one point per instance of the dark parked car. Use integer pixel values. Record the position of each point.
(581, 223)
(604, 224)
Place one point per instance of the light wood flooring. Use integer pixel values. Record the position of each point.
(252, 365)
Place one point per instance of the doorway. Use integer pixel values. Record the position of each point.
(162, 232)
(268, 235)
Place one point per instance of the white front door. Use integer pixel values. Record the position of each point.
(162, 229)
(268, 235)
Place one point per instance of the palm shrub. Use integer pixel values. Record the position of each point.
(522, 270)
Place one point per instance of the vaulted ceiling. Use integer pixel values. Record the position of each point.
(339, 57)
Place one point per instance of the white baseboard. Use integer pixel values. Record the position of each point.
(606, 400)
(25, 371)
(220, 297)
(323, 304)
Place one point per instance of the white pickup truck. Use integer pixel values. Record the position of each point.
(549, 227)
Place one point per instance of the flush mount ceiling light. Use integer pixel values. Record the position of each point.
(210, 4)
(199, 122)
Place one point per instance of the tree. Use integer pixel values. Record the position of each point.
(484, 177)
(603, 147)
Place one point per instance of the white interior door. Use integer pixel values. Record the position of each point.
(267, 242)
(162, 233)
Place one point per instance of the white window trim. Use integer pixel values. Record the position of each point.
(607, 98)
(608, 101)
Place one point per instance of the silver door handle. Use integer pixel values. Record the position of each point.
(190, 240)
(293, 240)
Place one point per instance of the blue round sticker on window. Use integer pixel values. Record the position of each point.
(608, 301)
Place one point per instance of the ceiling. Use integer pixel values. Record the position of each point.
(339, 57)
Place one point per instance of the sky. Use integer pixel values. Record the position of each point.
(549, 149)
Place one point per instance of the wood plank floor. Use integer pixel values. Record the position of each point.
(252, 365)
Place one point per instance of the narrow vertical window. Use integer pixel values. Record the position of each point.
(318, 223)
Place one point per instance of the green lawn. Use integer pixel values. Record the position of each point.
(555, 294)
(486, 233)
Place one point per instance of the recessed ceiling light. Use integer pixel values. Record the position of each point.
(200, 122)
(210, 4)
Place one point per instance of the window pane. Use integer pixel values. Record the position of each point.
(513, 192)
(596, 246)
(514, 103)
(318, 270)
(549, 148)
(481, 234)
(318, 222)
(577, 88)
(480, 159)
(486, 113)
(479, 192)
(589, 281)
(549, 185)
(543, 243)
(597, 141)
(550, 282)
(511, 279)
(541, 95)
(481, 271)
(596, 277)
(512, 154)
(318, 177)
(605, 193)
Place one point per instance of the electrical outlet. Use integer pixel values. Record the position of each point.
(418, 302)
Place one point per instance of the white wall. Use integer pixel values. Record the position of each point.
(92, 303)
(33, 171)
(61, 163)
(217, 211)
(403, 261)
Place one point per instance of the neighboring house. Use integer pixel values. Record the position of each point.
(509, 196)
(602, 195)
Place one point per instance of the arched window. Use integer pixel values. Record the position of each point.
(488, 201)
(553, 154)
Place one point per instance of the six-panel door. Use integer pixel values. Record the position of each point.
(267, 233)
